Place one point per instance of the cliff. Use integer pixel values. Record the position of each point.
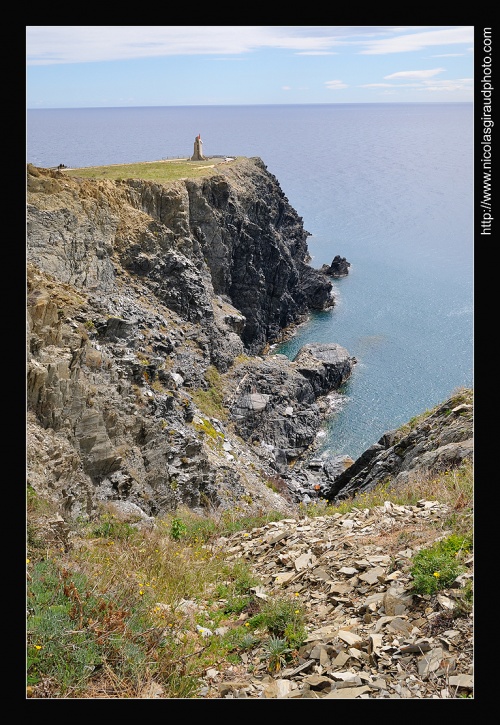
(148, 308)
(149, 385)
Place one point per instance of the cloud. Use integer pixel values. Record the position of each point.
(415, 73)
(53, 44)
(335, 85)
(460, 84)
(317, 52)
(419, 41)
(50, 44)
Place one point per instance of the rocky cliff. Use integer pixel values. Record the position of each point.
(149, 308)
(438, 440)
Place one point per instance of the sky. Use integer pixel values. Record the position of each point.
(92, 66)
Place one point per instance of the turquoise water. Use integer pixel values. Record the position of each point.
(388, 186)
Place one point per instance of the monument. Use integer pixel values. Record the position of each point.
(198, 150)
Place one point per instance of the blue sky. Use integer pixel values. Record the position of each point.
(87, 66)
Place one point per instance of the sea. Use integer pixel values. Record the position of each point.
(387, 186)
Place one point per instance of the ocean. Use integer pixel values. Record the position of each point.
(387, 186)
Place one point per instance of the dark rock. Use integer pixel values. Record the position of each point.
(325, 365)
(138, 292)
(441, 440)
(338, 268)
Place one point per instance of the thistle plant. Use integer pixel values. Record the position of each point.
(276, 651)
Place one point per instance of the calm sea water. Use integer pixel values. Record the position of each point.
(388, 186)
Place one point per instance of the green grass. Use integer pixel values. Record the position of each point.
(211, 400)
(437, 567)
(284, 618)
(159, 171)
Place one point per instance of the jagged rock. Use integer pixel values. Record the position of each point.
(275, 402)
(149, 311)
(441, 440)
(325, 365)
(338, 268)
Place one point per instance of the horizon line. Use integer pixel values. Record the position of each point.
(231, 105)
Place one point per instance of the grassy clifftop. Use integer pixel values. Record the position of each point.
(159, 171)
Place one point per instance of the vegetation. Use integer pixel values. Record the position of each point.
(211, 400)
(438, 566)
(127, 607)
(159, 171)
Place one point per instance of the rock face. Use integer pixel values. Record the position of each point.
(437, 442)
(245, 241)
(147, 305)
(280, 404)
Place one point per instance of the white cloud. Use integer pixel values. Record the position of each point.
(415, 73)
(420, 41)
(51, 44)
(335, 85)
(460, 84)
(317, 52)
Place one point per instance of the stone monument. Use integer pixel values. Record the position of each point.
(198, 150)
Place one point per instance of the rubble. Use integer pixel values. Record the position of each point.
(369, 635)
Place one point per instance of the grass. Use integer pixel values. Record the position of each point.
(211, 400)
(159, 171)
(121, 609)
(438, 566)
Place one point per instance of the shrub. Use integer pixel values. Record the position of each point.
(177, 529)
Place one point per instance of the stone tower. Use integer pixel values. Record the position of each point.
(198, 150)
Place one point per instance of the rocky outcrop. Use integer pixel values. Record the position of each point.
(338, 268)
(239, 230)
(280, 405)
(436, 441)
(146, 306)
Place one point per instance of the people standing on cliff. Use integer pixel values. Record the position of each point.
(198, 149)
